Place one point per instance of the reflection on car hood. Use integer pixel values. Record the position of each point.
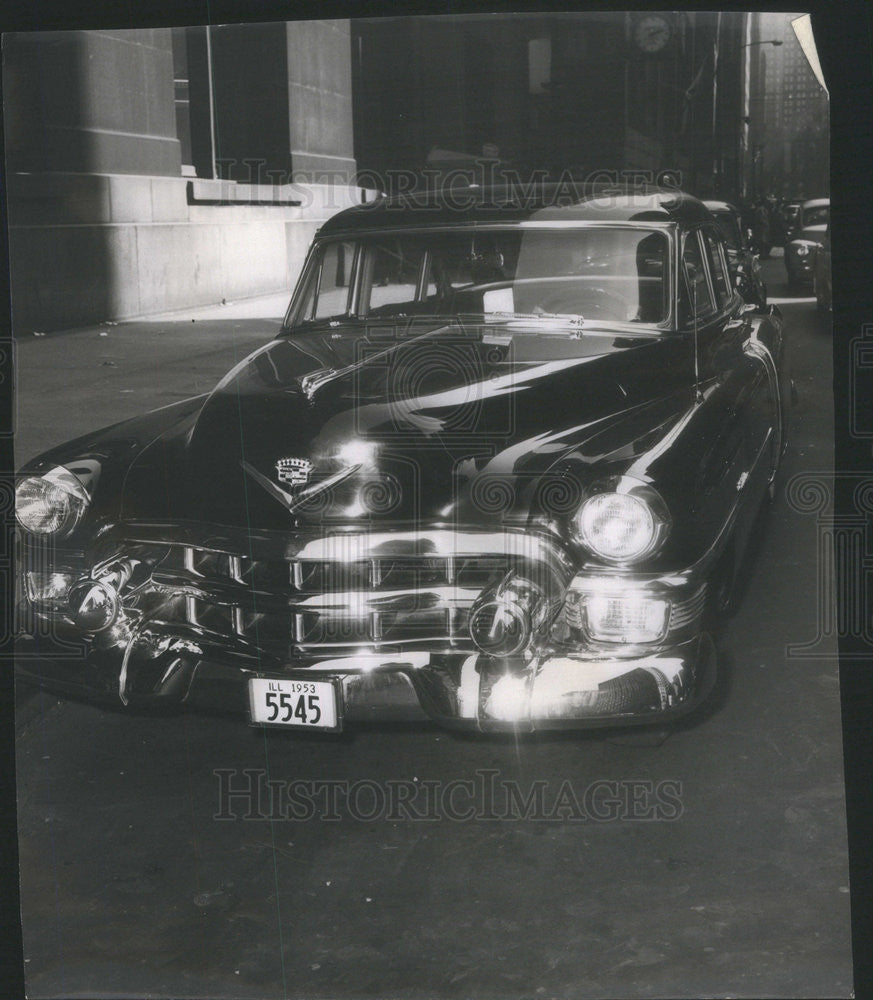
(414, 418)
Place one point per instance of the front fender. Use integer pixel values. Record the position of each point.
(109, 452)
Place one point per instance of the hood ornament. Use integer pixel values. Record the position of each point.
(294, 471)
(302, 494)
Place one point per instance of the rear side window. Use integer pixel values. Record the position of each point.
(698, 297)
(720, 278)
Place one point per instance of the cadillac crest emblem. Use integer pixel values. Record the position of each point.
(294, 471)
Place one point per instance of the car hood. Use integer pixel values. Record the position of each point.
(439, 423)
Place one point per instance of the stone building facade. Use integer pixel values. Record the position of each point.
(156, 169)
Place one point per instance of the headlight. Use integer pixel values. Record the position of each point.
(622, 525)
(801, 249)
(51, 504)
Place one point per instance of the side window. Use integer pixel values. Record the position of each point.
(392, 272)
(720, 277)
(697, 296)
(335, 283)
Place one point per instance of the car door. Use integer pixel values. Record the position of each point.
(736, 381)
(761, 399)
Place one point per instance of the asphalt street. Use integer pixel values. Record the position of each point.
(132, 887)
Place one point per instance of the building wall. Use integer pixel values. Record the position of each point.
(62, 116)
(139, 184)
(89, 247)
(102, 222)
(319, 100)
(552, 92)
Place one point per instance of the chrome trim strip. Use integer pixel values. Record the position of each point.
(753, 347)
(344, 546)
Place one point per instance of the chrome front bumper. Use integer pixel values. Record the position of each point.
(571, 683)
(460, 691)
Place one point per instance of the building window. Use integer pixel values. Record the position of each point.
(194, 103)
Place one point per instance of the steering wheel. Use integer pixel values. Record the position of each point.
(562, 300)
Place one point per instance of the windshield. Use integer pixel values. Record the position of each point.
(817, 215)
(603, 273)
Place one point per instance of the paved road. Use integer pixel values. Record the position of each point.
(130, 885)
(78, 381)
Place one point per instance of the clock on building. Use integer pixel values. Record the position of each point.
(652, 32)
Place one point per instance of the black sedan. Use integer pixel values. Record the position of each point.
(498, 470)
(801, 250)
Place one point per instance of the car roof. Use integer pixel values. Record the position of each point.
(816, 202)
(570, 202)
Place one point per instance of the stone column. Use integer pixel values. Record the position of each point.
(320, 101)
(98, 102)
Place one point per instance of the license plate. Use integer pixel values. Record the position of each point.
(301, 703)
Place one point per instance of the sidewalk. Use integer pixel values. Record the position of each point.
(75, 381)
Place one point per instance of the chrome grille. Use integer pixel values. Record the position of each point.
(393, 601)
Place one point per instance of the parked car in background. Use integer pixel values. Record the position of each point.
(800, 251)
(744, 264)
(821, 275)
(790, 212)
(498, 470)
